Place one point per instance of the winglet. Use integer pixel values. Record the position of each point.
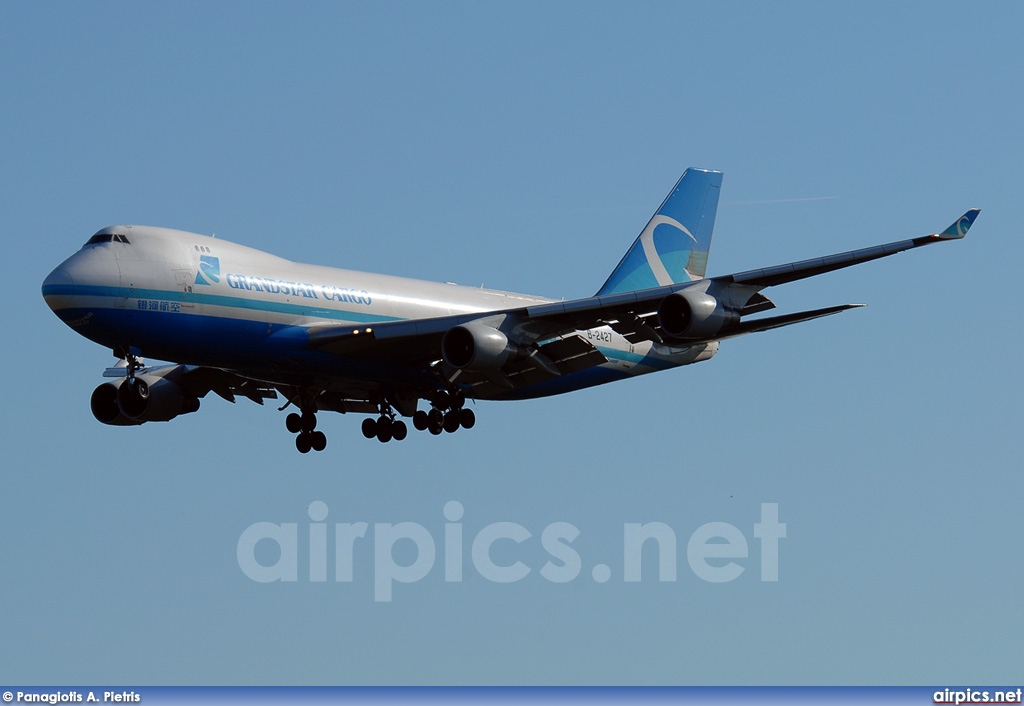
(960, 227)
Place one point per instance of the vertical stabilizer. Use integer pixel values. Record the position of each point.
(674, 245)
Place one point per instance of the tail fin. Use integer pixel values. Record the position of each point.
(674, 246)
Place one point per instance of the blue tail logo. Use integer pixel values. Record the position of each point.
(673, 247)
(209, 269)
(960, 226)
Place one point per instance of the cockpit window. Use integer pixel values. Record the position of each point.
(107, 238)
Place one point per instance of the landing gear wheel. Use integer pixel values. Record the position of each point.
(467, 418)
(399, 431)
(420, 420)
(383, 433)
(369, 427)
(308, 421)
(318, 440)
(304, 443)
(458, 399)
(435, 417)
(435, 429)
(441, 399)
(451, 422)
(293, 422)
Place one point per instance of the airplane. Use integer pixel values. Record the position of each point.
(237, 321)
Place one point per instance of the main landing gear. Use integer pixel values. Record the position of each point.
(435, 421)
(447, 413)
(386, 427)
(304, 425)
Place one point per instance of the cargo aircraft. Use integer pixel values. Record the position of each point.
(236, 321)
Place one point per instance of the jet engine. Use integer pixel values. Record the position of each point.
(692, 314)
(148, 398)
(476, 347)
(104, 406)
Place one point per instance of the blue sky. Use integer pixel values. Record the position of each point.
(523, 147)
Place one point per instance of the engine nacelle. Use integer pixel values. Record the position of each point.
(104, 406)
(692, 314)
(476, 347)
(147, 399)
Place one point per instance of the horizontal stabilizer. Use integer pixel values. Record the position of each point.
(771, 322)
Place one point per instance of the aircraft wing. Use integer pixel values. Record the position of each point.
(771, 276)
(630, 313)
(419, 343)
(550, 329)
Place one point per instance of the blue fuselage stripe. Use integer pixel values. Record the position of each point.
(214, 300)
(232, 340)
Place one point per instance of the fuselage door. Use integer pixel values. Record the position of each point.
(185, 280)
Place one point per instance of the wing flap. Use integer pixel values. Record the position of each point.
(635, 329)
(560, 356)
(572, 354)
(201, 380)
(565, 348)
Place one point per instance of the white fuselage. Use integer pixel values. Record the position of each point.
(195, 299)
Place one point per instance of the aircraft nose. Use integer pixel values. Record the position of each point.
(58, 286)
(60, 277)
